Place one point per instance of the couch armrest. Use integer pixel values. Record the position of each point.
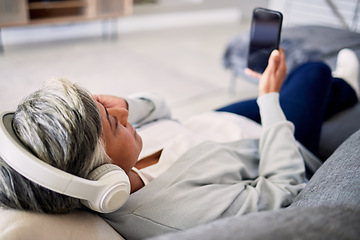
(337, 129)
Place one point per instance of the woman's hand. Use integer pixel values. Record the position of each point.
(110, 101)
(274, 75)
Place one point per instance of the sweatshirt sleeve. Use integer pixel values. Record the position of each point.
(146, 107)
(281, 167)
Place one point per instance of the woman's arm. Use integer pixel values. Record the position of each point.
(281, 167)
(143, 107)
(281, 163)
(147, 107)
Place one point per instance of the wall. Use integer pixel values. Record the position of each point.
(147, 17)
(168, 6)
(346, 13)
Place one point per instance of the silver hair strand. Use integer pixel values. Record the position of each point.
(61, 125)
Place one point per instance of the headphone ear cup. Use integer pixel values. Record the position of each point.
(115, 188)
(100, 171)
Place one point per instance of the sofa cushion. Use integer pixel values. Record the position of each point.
(330, 223)
(337, 129)
(78, 225)
(337, 181)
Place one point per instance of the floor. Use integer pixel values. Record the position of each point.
(182, 64)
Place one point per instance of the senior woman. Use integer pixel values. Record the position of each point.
(208, 168)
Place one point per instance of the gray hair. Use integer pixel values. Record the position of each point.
(61, 125)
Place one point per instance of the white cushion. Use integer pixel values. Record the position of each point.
(22, 225)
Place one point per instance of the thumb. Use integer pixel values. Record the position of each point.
(274, 60)
(274, 57)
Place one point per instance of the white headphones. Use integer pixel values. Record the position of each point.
(106, 191)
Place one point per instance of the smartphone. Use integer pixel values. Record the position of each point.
(264, 37)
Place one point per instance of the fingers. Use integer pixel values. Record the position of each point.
(272, 66)
(110, 101)
(274, 61)
(101, 99)
(282, 69)
(274, 75)
(96, 97)
(252, 73)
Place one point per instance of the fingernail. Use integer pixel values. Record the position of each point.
(275, 52)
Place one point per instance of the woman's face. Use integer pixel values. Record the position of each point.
(122, 143)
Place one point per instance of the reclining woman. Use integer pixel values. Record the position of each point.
(210, 167)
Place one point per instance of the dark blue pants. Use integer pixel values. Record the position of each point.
(308, 97)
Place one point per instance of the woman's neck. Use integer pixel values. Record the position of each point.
(135, 180)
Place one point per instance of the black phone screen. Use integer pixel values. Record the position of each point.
(264, 37)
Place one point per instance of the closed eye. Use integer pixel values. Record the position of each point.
(107, 116)
(116, 122)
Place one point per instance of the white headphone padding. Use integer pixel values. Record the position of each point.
(117, 191)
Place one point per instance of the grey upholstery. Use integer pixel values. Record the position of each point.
(328, 207)
(310, 223)
(337, 129)
(337, 181)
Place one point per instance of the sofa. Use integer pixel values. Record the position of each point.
(327, 208)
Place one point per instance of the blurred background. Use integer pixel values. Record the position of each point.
(170, 47)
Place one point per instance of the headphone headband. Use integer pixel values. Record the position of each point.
(114, 184)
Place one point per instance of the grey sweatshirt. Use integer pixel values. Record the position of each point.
(214, 180)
